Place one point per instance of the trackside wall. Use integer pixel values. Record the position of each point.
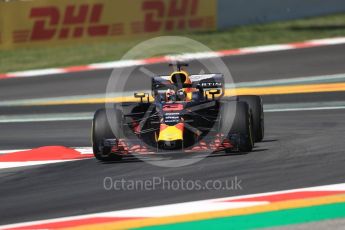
(42, 23)
(58, 22)
(241, 12)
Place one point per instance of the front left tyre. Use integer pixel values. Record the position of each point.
(256, 108)
(236, 122)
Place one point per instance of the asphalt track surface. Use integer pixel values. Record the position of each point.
(300, 149)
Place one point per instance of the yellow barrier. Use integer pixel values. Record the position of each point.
(51, 22)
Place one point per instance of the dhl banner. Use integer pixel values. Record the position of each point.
(54, 22)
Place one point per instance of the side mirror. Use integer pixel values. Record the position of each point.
(141, 96)
(213, 92)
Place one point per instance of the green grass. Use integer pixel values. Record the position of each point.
(286, 217)
(273, 33)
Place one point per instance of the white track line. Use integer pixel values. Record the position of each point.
(12, 150)
(297, 80)
(304, 106)
(46, 117)
(304, 109)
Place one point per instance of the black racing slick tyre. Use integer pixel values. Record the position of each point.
(257, 111)
(101, 130)
(236, 119)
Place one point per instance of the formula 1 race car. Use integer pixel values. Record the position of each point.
(185, 113)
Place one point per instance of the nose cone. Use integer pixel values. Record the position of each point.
(171, 133)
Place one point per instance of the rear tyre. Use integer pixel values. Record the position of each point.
(236, 119)
(101, 130)
(256, 108)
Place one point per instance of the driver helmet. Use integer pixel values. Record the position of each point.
(170, 95)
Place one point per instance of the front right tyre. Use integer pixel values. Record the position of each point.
(101, 131)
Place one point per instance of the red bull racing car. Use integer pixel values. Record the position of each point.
(185, 113)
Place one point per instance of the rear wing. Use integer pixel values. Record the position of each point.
(202, 82)
(208, 81)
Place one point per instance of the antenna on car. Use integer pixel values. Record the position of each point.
(179, 65)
